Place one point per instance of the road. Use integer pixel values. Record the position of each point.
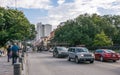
(44, 64)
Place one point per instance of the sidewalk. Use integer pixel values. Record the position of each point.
(6, 68)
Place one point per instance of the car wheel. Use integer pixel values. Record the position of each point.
(92, 61)
(101, 59)
(77, 60)
(53, 54)
(114, 60)
(56, 55)
(69, 59)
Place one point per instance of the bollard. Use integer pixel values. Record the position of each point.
(22, 54)
(17, 69)
(21, 61)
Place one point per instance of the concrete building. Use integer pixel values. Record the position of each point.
(47, 30)
(43, 30)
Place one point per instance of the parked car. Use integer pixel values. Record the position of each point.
(60, 52)
(1, 52)
(80, 54)
(106, 54)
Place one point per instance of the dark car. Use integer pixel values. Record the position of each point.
(106, 54)
(60, 52)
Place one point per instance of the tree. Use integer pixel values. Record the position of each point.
(14, 26)
(32, 32)
(102, 40)
(84, 28)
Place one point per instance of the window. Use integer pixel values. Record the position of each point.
(81, 50)
(109, 51)
(73, 50)
(99, 51)
(70, 49)
(62, 48)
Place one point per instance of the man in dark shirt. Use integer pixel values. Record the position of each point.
(9, 53)
(15, 53)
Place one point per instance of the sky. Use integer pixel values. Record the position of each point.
(55, 11)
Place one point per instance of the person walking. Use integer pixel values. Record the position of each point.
(15, 53)
(9, 53)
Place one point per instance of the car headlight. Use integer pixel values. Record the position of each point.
(81, 55)
(93, 55)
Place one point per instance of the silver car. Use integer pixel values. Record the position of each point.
(80, 54)
(60, 52)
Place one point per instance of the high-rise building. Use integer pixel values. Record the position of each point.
(43, 30)
(47, 30)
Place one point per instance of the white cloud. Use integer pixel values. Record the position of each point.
(71, 10)
(65, 11)
(4, 3)
(41, 4)
(58, 14)
(60, 2)
(102, 3)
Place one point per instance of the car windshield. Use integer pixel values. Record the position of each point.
(62, 48)
(109, 51)
(82, 50)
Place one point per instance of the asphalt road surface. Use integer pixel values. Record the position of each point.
(44, 64)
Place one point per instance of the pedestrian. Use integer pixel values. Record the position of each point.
(15, 53)
(9, 53)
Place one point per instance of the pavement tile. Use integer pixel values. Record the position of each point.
(6, 68)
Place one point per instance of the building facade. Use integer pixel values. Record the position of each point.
(43, 30)
(47, 30)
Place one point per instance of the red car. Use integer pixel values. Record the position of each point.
(106, 54)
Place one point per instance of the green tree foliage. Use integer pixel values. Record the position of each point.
(102, 40)
(84, 28)
(32, 32)
(115, 21)
(14, 26)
